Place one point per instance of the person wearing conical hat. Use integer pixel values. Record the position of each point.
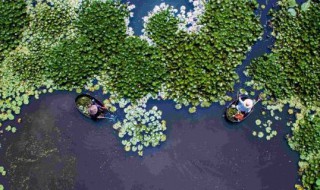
(95, 109)
(245, 106)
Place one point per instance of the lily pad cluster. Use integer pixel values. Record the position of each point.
(53, 51)
(68, 46)
(265, 130)
(290, 74)
(141, 128)
(293, 67)
(3, 172)
(136, 70)
(10, 128)
(305, 140)
(13, 20)
(49, 23)
(201, 66)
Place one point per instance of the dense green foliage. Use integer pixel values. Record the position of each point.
(306, 141)
(70, 46)
(48, 26)
(201, 65)
(103, 24)
(136, 70)
(293, 67)
(55, 45)
(13, 19)
(70, 64)
(68, 50)
(293, 70)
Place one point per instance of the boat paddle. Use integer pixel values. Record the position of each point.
(259, 98)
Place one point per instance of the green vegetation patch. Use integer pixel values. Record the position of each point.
(57, 45)
(293, 67)
(13, 19)
(201, 66)
(292, 72)
(141, 128)
(136, 70)
(305, 140)
(103, 23)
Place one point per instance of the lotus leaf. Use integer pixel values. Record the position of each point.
(141, 128)
(258, 122)
(260, 134)
(292, 12)
(201, 64)
(305, 6)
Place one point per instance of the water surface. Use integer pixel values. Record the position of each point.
(202, 151)
(57, 148)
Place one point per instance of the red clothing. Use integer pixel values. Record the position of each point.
(239, 116)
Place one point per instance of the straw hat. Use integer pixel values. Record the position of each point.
(248, 103)
(93, 109)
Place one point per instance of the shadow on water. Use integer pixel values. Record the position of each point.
(57, 148)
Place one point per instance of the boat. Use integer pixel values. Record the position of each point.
(83, 101)
(232, 110)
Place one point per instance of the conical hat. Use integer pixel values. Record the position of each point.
(93, 109)
(248, 103)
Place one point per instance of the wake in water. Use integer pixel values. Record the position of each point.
(113, 117)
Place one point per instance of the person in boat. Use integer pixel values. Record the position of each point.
(245, 106)
(96, 109)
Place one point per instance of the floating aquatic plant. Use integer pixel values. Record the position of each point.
(201, 66)
(258, 122)
(136, 70)
(3, 171)
(13, 19)
(305, 140)
(192, 109)
(293, 66)
(65, 46)
(141, 128)
(290, 74)
(266, 131)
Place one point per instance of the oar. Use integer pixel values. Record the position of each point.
(259, 98)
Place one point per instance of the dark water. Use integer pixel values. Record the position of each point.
(57, 148)
(202, 151)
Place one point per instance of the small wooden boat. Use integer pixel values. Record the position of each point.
(84, 101)
(232, 110)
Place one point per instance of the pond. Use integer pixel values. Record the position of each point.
(55, 147)
(202, 151)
